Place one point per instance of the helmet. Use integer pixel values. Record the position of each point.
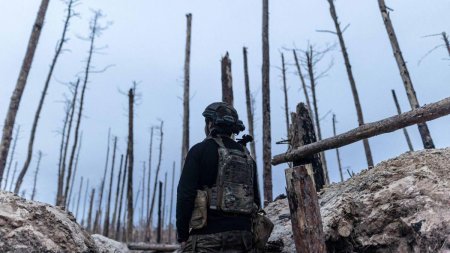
(223, 115)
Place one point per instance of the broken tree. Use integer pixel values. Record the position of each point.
(187, 62)
(227, 80)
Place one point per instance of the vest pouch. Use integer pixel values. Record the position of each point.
(199, 214)
(262, 228)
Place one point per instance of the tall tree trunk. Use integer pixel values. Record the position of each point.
(147, 210)
(164, 203)
(77, 159)
(58, 51)
(187, 62)
(84, 204)
(348, 66)
(447, 44)
(116, 205)
(286, 102)
(310, 64)
(102, 188)
(267, 139)
(11, 158)
(91, 206)
(248, 100)
(404, 73)
(13, 176)
(227, 80)
(118, 225)
(158, 168)
(94, 32)
(302, 79)
(159, 235)
(79, 197)
(141, 218)
(399, 111)
(108, 206)
(65, 146)
(130, 152)
(171, 203)
(33, 193)
(20, 86)
(337, 150)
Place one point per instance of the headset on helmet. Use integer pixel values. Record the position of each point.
(222, 114)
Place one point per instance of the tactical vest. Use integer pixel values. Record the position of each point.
(233, 192)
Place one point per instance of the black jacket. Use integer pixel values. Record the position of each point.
(200, 169)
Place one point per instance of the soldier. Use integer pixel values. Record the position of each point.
(218, 189)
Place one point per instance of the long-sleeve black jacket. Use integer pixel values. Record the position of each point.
(200, 169)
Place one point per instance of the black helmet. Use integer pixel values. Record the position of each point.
(223, 115)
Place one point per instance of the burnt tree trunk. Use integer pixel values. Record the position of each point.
(304, 207)
(116, 204)
(84, 204)
(267, 139)
(107, 220)
(13, 177)
(302, 79)
(33, 193)
(186, 98)
(227, 80)
(20, 86)
(141, 218)
(310, 64)
(399, 111)
(171, 203)
(286, 102)
(130, 152)
(65, 146)
(159, 229)
(248, 101)
(447, 44)
(158, 168)
(37, 115)
(79, 197)
(11, 158)
(98, 214)
(94, 32)
(404, 73)
(351, 79)
(164, 203)
(77, 159)
(150, 151)
(118, 225)
(422, 114)
(91, 206)
(337, 151)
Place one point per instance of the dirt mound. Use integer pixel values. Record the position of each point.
(402, 205)
(29, 226)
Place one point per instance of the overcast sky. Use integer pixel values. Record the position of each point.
(146, 41)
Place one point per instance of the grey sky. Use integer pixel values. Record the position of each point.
(146, 43)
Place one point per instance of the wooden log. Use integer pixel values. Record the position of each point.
(305, 211)
(419, 115)
(153, 247)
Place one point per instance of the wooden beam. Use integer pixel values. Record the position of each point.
(419, 115)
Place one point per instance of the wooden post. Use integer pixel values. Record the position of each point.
(302, 133)
(305, 211)
(227, 80)
(399, 111)
(404, 73)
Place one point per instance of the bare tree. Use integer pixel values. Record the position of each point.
(171, 203)
(248, 100)
(337, 150)
(404, 73)
(399, 111)
(13, 176)
(187, 62)
(33, 193)
(20, 86)
(302, 79)
(11, 158)
(102, 187)
(77, 159)
(286, 102)
(65, 145)
(130, 151)
(116, 205)
(163, 218)
(141, 218)
(447, 44)
(95, 31)
(108, 205)
(147, 210)
(312, 58)
(79, 197)
(84, 204)
(118, 225)
(159, 234)
(267, 139)
(158, 168)
(59, 49)
(227, 80)
(351, 79)
(91, 206)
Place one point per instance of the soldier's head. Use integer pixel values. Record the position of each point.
(222, 119)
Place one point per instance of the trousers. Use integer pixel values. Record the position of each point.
(224, 242)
